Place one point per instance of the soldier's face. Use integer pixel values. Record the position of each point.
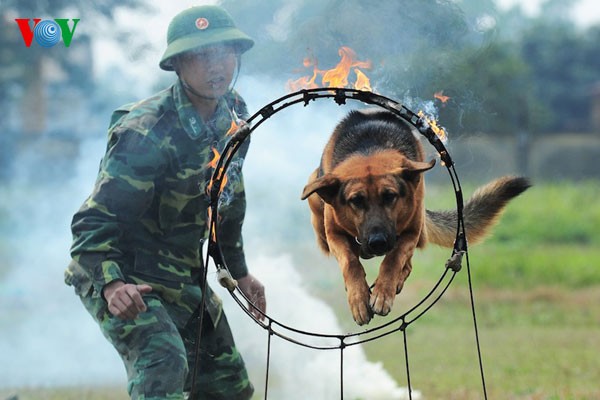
(209, 70)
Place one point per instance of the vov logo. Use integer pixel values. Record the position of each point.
(47, 32)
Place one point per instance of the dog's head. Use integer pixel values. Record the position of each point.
(370, 200)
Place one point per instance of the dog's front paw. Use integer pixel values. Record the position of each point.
(382, 299)
(358, 299)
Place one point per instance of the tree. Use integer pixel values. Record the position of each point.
(22, 76)
(418, 48)
(564, 63)
(389, 33)
(37, 82)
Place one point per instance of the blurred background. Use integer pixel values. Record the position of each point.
(516, 86)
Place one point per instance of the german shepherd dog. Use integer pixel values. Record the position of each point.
(366, 199)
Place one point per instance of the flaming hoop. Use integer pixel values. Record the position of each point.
(400, 324)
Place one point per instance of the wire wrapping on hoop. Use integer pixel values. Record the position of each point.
(340, 96)
(399, 324)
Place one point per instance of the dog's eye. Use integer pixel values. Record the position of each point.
(358, 201)
(388, 198)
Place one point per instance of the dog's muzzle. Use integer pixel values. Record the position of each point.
(376, 244)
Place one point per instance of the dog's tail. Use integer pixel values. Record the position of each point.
(480, 213)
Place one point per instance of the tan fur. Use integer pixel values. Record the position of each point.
(342, 228)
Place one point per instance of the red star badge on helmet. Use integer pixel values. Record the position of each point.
(202, 23)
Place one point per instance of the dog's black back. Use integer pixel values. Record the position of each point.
(368, 131)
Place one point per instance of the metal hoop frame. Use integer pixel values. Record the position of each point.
(340, 96)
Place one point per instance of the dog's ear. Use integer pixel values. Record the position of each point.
(413, 170)
(326, 187)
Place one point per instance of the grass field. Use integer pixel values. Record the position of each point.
(537, 295)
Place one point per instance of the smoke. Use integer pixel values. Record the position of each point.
(46, 336)
(284, 151)
(298, 372)
(279, 28)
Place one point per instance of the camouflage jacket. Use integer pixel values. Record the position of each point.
(147, 215)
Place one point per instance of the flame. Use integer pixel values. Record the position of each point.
(303, 83)
(362, 82)
(213, 164)
(233, 128)
(438, 130)
(309, 62)
(335, 77)
(213, 232)
(235, 125)
(216, 155)
(440, 96)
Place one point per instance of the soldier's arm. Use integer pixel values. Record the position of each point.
(123, 191)
(230, 236)
(230, 228)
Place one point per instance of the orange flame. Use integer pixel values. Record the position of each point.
(216, 155)
(213, 231)
(309, 62)
(438, 130)
(233, 128)
(235, 125)
(213, 164)
(362, 82)
(335, 77)
(440, 96)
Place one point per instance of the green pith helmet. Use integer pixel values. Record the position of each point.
(202, 26)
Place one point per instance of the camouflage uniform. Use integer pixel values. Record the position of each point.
(144, 223)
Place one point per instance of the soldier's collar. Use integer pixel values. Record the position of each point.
(191, 121)
(188, 116)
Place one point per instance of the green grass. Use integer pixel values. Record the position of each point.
(65, 393)
(549, 235)
(536, 286)
(535, 345)
(537, 295)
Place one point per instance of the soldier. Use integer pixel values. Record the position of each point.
(136, 252)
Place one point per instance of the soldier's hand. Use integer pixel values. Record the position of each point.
(125, 299)
(255, 292)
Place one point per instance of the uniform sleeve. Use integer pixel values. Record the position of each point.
(230, 237)
(123, 191)
(230, 228)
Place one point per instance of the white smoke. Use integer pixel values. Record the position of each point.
(279, 28)
(285, 149)
(298, 372)
(47, 337)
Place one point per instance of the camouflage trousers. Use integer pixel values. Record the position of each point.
(158, 350)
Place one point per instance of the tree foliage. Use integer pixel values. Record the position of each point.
(564, 64)
(21, 66)
(504, 72)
